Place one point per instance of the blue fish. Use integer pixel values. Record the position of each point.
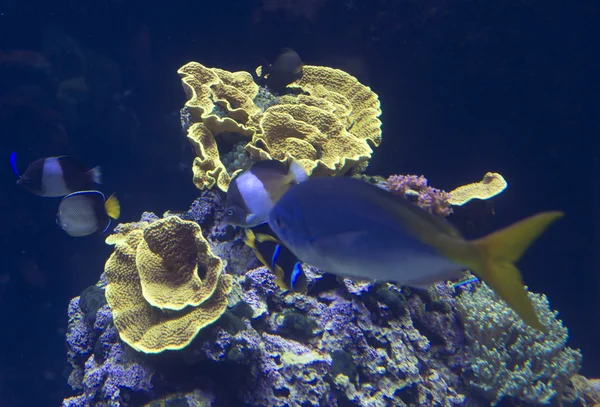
(351, 228)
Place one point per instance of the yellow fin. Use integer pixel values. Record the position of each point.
(113, 207)
(250, 238)
(280, 278)
(500, 250)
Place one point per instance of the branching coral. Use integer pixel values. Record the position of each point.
(330, 126)
(509, 358)
(155, 266)
(415, 188)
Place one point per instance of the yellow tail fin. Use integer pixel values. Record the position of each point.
(113, 207)
(500, 250)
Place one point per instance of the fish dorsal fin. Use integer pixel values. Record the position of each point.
(412, 216)
(91, 192)
(296, 172)
(250, 239)
(271, 165)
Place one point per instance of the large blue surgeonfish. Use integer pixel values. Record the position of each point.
(351, 228)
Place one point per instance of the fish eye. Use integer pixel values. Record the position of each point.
(230, 212)
(279, 223)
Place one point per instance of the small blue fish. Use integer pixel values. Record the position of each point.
(351, 228)
(56, 176)
(467, 281)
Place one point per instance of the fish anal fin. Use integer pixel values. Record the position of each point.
(426, 283)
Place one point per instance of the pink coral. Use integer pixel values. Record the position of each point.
(415, 188)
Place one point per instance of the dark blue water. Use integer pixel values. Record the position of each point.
(466, 88)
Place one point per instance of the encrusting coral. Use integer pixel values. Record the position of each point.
(329, 122)
(157, 263)
(508, 358)
(491, 185)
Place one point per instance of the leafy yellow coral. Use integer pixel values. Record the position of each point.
(170, 260)
(330, 127)
(140, 250)
(491, 185)
(356, 103)
(314, 137)
(210, 90)
(208, 169)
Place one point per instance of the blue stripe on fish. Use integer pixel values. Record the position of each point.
(275, 256)
(13, 163)
(296, 273)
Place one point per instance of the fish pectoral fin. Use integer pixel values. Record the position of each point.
(325, 244)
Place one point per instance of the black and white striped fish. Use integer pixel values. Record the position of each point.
(57, 176)
(252, 193)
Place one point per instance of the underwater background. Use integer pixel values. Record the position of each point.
(466, 87)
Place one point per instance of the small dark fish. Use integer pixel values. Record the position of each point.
(56, 176)
(86, 212)
(252, 193)
(351, 228)
(286, 69)
(279, 260)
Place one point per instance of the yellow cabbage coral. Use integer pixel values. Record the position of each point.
(159, 261)
(355, 103)
(208, 169)
(329, 126)
(170, 261)
(314, 137)
(220, 99)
